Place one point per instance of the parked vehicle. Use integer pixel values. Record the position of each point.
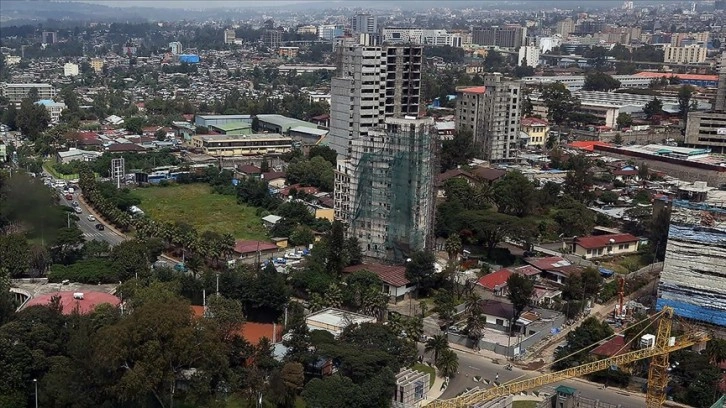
(100, 227)
(69, 197)
(75, 204)
(91, 218)
(78, 210)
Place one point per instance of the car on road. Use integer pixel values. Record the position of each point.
(75, 204)
(91, 218)
(78, 210)
(100, 227)
(69, 197)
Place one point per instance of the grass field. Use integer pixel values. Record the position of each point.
(196, 205)
(426, 369)
(524, 404)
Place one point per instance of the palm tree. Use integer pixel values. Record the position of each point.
(716, 351)
(436, 344)
(475, 327)
(453, 246)
(334, 296)
(448, 363)
(413, 327)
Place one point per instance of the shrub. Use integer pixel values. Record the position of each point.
(86, 271)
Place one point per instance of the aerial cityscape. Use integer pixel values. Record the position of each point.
(311, 204)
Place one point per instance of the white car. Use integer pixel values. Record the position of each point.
(91, 218)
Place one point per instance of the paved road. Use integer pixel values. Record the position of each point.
(471, 365)
(89, 227)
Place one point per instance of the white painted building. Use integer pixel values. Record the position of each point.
(334, 320)
(175, 47)
(70, 69)
(528, 54)
(54, 108)
(421, 36)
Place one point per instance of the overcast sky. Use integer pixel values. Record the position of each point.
(198, 4)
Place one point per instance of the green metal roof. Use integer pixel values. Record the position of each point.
(563, 389)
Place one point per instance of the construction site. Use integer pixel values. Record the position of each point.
(384, 189)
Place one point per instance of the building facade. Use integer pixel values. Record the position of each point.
(330, 31)
(17, 92)
(491, 112)
(272, 38)
(528, 55)
(364, 24)
(242, 145)
(565, 27)
(54, 108)
(384, 190)
(175, 47)
(709, 128)
(97, 64)
(693, 280)
(537, 129)
(230, 35)
(509, 36)
(371, 84)
(70, 69)
(692, 54)
(420, 36)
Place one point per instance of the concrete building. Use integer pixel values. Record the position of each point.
(54, 108)
(330, 31)
(17, 92)
(210, 120)
(565, 27)
(50, 37)
(411, 388)
(509, 36)
(528, 55)
(491, 112)
(70, 69)
(371, 84)
(576, 82)
(272, 39)
(692, 54)
(364, 24)
(548, 43)
(175, 47)
(597, 246)
(97, 64)
(242, 145)
(230, 35)
(74, 154)
(537, 130)
(709, 128)
(232, 128)
(335, 320)
(419, 36)
(693, 280)
(384, 189)
(288, 52)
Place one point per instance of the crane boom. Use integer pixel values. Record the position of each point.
(469, 400)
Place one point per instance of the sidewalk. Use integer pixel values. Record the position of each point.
(435, 392)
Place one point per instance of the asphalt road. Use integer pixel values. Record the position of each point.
(89, 227)
(471, 365)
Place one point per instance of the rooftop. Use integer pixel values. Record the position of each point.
(69, 303)
(392, 275)
(610, 348)
(338, 318)
(601, 241)
(474, 89)
(225, 116)
(226, 127)
(249, 247)
(495, 280)
(255, 136)
(284, 122)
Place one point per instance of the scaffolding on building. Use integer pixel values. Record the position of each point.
(395, 191)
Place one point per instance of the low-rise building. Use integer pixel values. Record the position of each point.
(232, 128)
(212, 120)
(691, 54)
(334, 320)
(411, 388)
(288, 52)
(537, 129)
(17, 92)
(554, 268)
(395, 284)
(76, 154)
(496, 282)
(596, 246)
(54, 108)
(70, 69)
(242, 145)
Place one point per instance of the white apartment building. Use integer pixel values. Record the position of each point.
(54, 108)
(70, 69)
(491, 112)
(548, 43)
(384, 189)
(175, 47)
(329, 31)
(576, 82)
(17, 92)
(528, 54)
(229, 36)
(372, 83)
(692, 54)
(421, 36)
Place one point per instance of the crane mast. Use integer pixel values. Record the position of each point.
(657, 378)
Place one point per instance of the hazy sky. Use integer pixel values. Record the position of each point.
(198, 4)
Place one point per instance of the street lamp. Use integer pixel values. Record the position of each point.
(35, 382)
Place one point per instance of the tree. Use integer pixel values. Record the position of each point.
(135, 124)
(160, 134)
(560, 103)
(286, 384)
(643, 172)
(336, 254)
(573, 217)
(227, 314)
(130, 259)
(600, 81)
(448, 363)
(685, 93)
(458, 151)
(624, 120)
(437, 345)
(579, 340)
(579, 179)
(325, 152)
(520, 293)
(14, 258)
(453, 246)
(420, 270)
(653, 108)
(32, 119)
(514, 194)
(353, 251)
(618, 139)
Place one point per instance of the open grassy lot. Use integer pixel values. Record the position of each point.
(524, 404)
(196, 205)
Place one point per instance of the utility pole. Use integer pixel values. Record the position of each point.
(69, 220)
(35, 381)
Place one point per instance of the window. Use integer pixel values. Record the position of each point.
(500, 322)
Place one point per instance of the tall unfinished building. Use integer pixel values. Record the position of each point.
(384, 189)
(491, 112)
(693, 280)
(709, 128)
(372, 83)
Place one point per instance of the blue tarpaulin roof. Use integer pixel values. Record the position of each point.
(606, 272)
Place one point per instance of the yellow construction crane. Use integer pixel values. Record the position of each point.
(657, 375)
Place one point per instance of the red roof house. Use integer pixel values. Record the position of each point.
(496, 282)
(611, 348)
(395, 283)
(595, 246)
(246, 248)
